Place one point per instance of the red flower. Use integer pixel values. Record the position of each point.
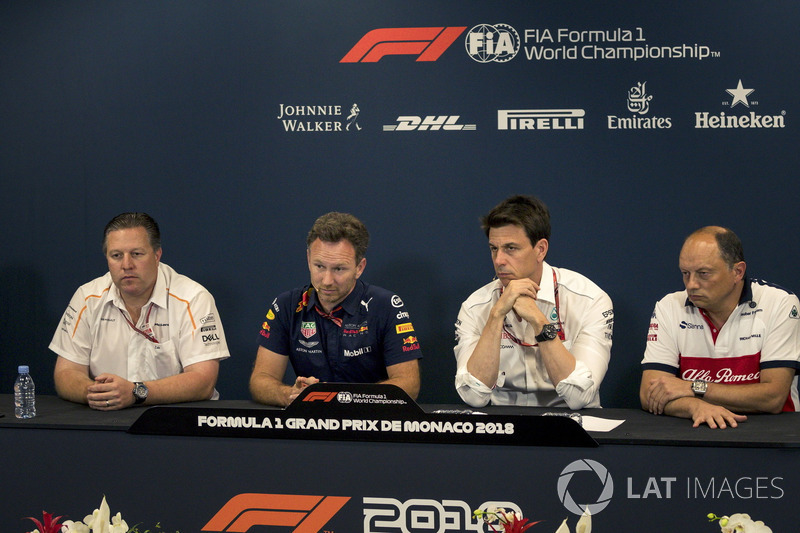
(511, 521)
(48, 523)
(516, 525)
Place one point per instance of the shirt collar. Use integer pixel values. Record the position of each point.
(547, 290)
(746, 296)
(158, 297)
(349, 304)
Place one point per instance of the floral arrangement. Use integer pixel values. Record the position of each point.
(514, 522)
(739, 523)
(100, 521)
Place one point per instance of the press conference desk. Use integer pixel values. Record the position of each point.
(653, 471)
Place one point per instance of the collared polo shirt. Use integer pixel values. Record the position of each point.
(375, 332)
(181, 314)
(763, 331)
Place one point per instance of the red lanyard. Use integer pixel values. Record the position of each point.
(329, 316)
(147, 334)
(561, 334)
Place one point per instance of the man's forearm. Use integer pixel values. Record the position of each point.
(484, 363)
(72, 386)
(749, 398)
(184, 387)
(269, 391)
(407, 383)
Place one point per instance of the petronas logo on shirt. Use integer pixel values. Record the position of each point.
(553, 315)
(308, 329)
(793, 313)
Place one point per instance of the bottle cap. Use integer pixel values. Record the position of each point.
(23, 369)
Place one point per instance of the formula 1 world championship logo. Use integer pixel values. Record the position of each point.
(585, 465)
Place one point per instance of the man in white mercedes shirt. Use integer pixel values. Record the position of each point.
(140, 334)
(537, 335)
(726, 344)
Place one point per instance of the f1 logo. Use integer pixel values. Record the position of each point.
(319, 396)
(427, 43)
(307, 514)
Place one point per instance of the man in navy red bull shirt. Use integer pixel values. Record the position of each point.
(725, 345)
(337, 328)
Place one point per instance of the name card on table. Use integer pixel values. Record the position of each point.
(356, 411)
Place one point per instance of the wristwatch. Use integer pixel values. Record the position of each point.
(549, 332)
(699, 387)
(139, 392)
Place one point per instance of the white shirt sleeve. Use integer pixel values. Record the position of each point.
(200, 337)
(592, 352)
(73, 337)
(474, 392)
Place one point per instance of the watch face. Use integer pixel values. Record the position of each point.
(549, 332)
(140, 391)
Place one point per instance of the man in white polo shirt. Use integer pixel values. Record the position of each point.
(140, 334)
(538, 335)
(726, 344)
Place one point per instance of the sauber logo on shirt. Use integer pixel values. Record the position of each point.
(425, 43)
(731, 370)
(306, 514)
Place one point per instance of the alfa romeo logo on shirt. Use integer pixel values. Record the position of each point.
(308, 329)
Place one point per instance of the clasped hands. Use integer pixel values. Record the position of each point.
(520, 295)
(110, 392)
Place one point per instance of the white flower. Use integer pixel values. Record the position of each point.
(563, 528)
(118, 525)
(584, 525)
(100, 521)
(491, 514)
(74, 527)
(742, 523)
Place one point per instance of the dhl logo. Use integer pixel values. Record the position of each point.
(306, 514)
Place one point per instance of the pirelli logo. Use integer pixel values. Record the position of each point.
(425, 43)
(306, 514)
(404, 328)
(540, 119)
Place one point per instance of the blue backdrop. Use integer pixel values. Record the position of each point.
(173, 108)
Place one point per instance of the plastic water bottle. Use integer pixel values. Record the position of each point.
(24, 394)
